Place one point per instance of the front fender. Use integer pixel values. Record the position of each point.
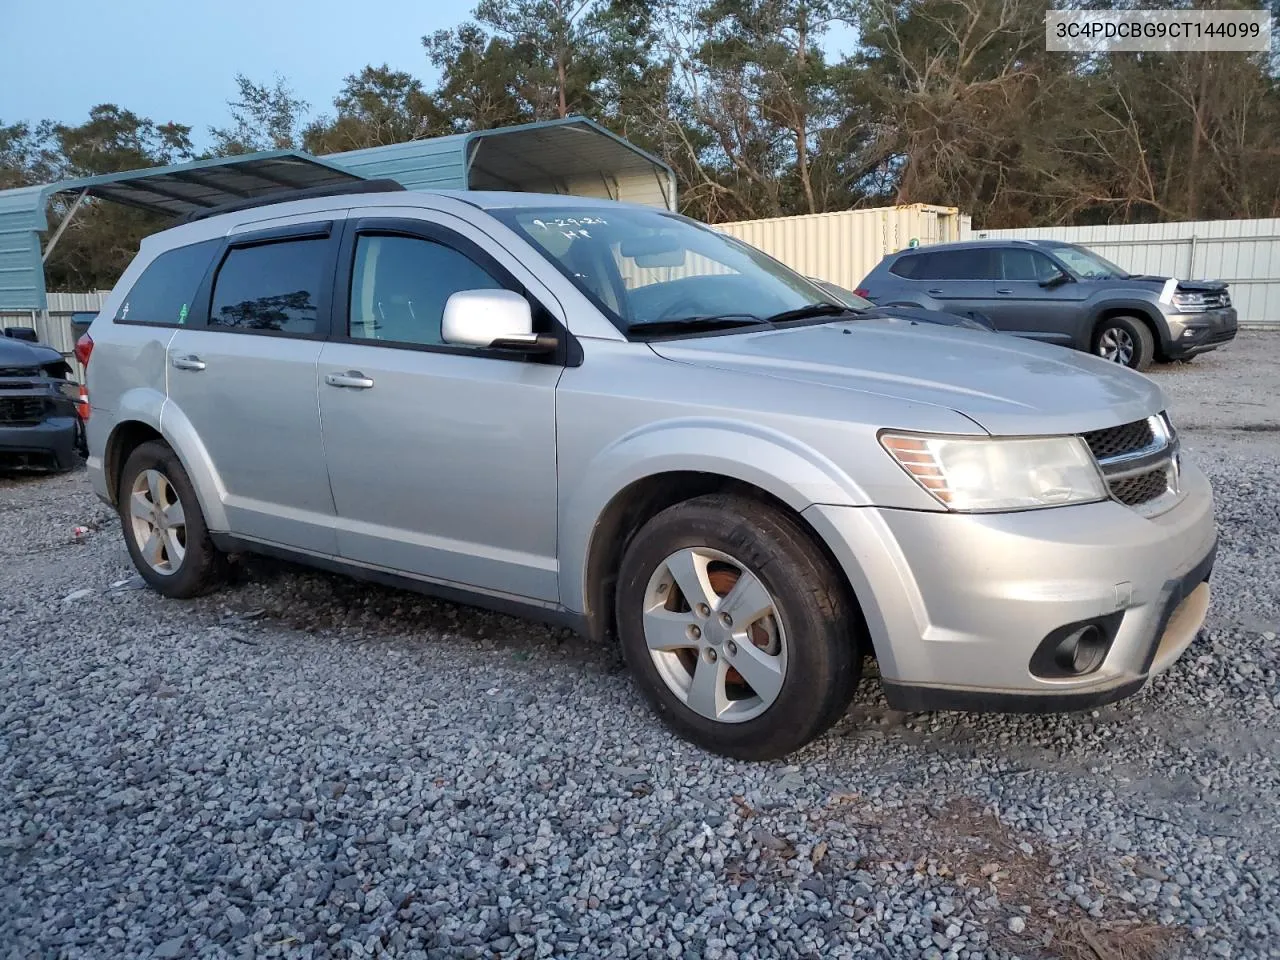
(792, 472)
(1141, 308)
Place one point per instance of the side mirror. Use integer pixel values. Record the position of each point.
(495, 319)
(1057, 280)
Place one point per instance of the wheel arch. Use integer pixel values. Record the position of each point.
(1130, 308)
(642, 499)
(137, 427)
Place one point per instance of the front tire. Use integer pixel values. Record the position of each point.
(736, 628)
(164, 527)
(1126, 341)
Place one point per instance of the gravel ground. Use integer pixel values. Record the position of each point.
(303, 766)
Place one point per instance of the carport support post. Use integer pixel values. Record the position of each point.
(57, 234)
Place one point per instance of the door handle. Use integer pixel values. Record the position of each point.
(189, 362)
(352, 379)
(1003, 290)
(936, 291)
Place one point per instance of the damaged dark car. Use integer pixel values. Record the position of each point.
(40, 421)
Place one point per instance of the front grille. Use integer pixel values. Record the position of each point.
(1118, 441)
(1135, 491)
(1139, 460)
(8, 373)
(1217, 301)
(21, 410)
(1221, 336)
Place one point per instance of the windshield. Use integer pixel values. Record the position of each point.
(1088, 265)
(647, 267)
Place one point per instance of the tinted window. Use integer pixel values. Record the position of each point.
(906, 266)
(1018, 264)
(164, 291)
(272, 286)
(400, 284)
(972, 264)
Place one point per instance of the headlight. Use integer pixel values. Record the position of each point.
(1191, 302)
(973, 474)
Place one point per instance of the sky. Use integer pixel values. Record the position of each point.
(65, 56)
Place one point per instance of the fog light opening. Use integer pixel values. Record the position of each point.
(1081, 651)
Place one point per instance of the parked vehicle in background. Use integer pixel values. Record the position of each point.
(614, 417)
(1061, 293)
(39, 424)
(870, 311)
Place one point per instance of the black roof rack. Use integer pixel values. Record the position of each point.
(307, 193)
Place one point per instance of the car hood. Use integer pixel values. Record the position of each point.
(1151, 282)
(1006, 385)
(967, 320)
(20, 353)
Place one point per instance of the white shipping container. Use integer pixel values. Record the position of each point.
(843, 247)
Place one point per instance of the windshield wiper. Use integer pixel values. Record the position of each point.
(810, 311)
(719, 321)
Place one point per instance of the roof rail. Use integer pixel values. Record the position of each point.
(307, 193)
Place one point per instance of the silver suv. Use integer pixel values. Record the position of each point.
(612, 417)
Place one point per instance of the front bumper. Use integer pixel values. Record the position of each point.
(54, 442)
(958, 604)
(1195, 333)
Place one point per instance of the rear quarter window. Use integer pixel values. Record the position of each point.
(974, 263)
(162, 295)
(906, 266)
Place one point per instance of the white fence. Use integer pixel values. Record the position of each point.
(1244, 253)
(53, 324)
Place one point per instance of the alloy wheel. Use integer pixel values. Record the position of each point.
(157, 522)
(1116, 345)
(715, 635)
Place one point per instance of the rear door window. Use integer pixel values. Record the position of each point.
(271, 287)
(975, 264)
(162, 296)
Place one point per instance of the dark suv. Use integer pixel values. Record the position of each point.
(1060, 293)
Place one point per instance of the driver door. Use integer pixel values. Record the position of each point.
(442, 458)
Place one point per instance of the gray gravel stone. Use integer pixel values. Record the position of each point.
(300, 765)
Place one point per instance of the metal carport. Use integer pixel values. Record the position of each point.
(175, 191)
(573, 155)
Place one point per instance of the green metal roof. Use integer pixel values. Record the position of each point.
(174, 191)
(569, 155)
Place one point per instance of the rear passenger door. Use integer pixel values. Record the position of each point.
(442, 458)
(958, 281)
(243, 373)
(1025, 306)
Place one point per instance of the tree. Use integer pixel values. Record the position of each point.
(99, 243)
(27, 154)
(263, 118)
(375, 107)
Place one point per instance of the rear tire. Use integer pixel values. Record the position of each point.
(1126, 341)
(164, 527)
(685, 576)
